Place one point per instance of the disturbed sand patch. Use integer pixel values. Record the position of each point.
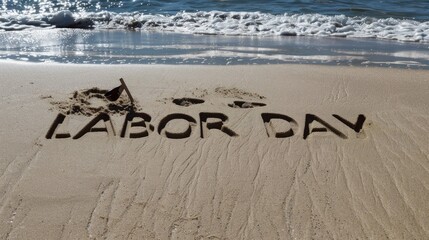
(200, 95)
(226, 92)
(237, 93)
(89, 102)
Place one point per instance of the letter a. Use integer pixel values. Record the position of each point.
(309, 118)
(90, 126)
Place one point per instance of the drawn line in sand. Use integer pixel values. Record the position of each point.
(179, 125)
(144, 123)
(270, 126)
(185, 129)
(220, 125)
(92, 126)
(273, 122)
(58, 121)
(357, 127)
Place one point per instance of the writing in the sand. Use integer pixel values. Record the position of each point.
(179, 126)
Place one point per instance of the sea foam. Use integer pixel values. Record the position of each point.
(228, 23)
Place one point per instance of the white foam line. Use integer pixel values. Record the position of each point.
(231, 24)
(407, 63)
(201, 55)
(404, 54)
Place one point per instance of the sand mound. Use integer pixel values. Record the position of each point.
(226, 93)
(237, 93)
(92, 101)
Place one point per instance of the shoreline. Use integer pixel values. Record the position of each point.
(78, 46)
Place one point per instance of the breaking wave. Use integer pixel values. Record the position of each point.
(228, 23)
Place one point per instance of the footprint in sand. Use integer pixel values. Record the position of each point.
(243, 104)
(186, 102)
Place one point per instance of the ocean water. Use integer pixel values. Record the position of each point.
(379, 32)
(402, 9)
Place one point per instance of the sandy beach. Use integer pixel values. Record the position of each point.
(214, 152)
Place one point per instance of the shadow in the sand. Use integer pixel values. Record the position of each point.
(244, 104)
(186, 102)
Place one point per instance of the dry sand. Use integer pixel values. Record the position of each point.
(181, 182)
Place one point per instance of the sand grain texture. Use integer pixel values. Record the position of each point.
(372, 185)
